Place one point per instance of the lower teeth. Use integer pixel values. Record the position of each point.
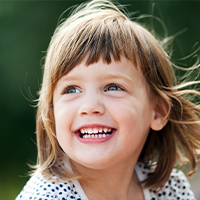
(96, 136)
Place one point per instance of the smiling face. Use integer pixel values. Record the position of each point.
(103, 113)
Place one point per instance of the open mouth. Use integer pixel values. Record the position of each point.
(86, 133)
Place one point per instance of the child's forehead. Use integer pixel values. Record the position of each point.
(101, 64)
(122, 69)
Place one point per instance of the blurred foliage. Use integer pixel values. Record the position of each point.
(26, 28)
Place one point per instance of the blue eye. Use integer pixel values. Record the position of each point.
(71, 89)
(113, 87)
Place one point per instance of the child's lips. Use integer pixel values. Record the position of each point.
(94, 133)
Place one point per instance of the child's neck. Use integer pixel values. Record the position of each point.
(118, 183)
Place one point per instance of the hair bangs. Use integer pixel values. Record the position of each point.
(96, 38)
(109, 39)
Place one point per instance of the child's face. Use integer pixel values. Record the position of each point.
(113, 98)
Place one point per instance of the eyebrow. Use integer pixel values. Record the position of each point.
(113, 76)
(106, 76)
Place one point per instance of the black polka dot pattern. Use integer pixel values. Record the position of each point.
(177, 187)
(37, 188)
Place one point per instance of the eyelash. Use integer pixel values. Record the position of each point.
(113, 85)
(66, 89)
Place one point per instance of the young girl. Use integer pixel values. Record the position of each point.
(111, 121)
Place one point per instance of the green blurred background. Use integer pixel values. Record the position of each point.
(25, 31)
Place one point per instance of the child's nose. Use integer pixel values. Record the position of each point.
(91, 105)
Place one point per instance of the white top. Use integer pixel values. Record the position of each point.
(37, 188)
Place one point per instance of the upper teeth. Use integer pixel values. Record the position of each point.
(94, 130)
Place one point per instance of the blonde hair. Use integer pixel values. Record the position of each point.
(99, 28)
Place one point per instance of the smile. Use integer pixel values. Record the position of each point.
(94, 134)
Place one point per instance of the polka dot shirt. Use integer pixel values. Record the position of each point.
(38, 188)
(176, 188)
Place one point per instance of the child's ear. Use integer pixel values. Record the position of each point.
(159, 119)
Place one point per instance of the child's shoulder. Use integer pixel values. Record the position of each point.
(38, 188)
(177, 187)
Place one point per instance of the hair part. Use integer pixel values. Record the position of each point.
(100, 29)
